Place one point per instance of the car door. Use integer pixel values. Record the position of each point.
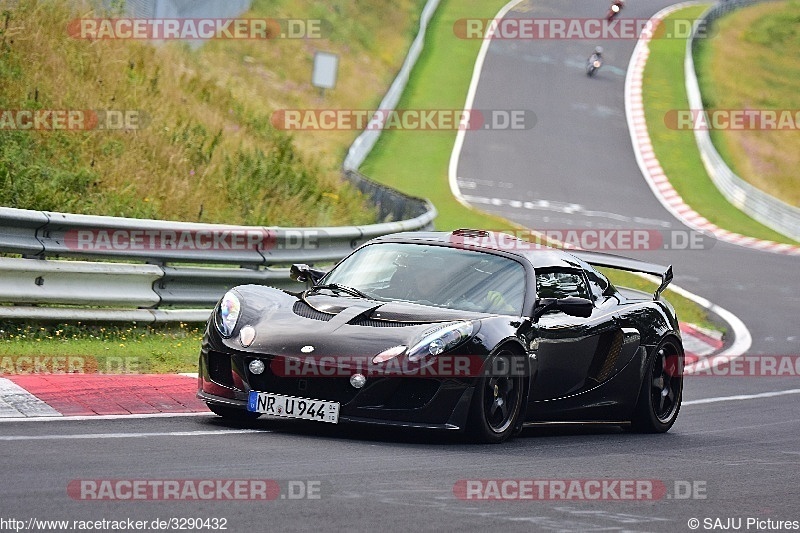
(572, 352)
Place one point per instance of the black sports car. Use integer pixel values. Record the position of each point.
(468, 330)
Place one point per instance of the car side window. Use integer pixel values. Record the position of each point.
(600, 286)
(560, 283)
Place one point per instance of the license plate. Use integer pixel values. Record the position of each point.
(291, 407)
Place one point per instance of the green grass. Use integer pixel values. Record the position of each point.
(664, 90)
(758, 36)
(416, 162)
(107, 348)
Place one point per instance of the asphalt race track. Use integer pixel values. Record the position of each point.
(724, 459)
(578, 158)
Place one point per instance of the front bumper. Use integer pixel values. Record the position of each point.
(423, 402)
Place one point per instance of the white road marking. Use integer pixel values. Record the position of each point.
(93, 436)
(561, 207)
(452, 171)
(742, 397)
(81, 418)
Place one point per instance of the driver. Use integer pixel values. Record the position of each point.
(498, 303)
(425, 279)
(428, 282)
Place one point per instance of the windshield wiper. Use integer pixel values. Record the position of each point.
(337, 288)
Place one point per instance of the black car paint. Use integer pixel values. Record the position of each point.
(562, 355)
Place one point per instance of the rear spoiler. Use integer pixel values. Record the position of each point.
(631, 265)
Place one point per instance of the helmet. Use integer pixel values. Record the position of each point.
(598, 50)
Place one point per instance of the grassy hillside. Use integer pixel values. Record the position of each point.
(753, 63)
(206, 150)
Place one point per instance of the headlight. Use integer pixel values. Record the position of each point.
(440, 340)
(228, 314)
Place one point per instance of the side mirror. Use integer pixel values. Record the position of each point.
(574, 306)
(571, 305)
(304, 273)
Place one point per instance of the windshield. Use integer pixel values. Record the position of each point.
(434, 275)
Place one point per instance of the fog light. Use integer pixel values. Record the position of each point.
(257, 366)
(247, 335)
(357, 380)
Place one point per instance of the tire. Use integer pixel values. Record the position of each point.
(497, 401)
(662, 389)
(234, 414)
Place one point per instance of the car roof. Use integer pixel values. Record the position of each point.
(538, 255)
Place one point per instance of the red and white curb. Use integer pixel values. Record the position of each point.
(649, 164)
(95, 396)
(699, 343)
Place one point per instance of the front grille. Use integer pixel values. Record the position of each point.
(413, 393)
(371, 322)
(219, 368)
(385, 393)
(316, 387)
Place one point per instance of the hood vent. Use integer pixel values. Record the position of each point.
(306, 311)
(371, 322)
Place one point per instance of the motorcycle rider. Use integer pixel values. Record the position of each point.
(595, 61)
(616, 7)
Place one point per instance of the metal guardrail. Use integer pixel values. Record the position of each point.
(767, 209)
(180, 263)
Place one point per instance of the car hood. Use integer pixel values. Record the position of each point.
(341, 327)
